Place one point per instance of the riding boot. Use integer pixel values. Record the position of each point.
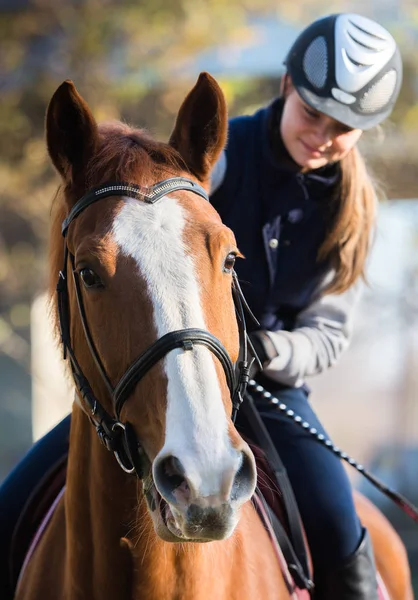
(356, 579)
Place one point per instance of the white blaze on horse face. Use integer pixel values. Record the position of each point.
(196, 422)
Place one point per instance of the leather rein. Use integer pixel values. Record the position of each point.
(119, 437)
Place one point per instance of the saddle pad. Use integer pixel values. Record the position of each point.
(382, 590)
(37, 538)
(33, 514)
(295, 592)
(267, 484)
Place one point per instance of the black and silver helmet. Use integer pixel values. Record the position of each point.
(348, 67)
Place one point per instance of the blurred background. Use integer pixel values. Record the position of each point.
(136, 61)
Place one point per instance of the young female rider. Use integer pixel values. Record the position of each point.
(293, 187)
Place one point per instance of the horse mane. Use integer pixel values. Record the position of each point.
(131, 155)
(123, 154)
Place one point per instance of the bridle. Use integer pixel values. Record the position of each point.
(116, 436)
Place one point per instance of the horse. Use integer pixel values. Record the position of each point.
(146, 316)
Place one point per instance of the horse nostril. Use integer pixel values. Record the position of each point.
(170, 479)
(244, 480)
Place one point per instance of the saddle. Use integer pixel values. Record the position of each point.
(273, 501)
(33, 514)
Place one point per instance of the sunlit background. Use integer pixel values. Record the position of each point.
(136, 61)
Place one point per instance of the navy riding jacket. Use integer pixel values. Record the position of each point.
(279, 216)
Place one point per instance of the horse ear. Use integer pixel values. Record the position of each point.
(71, 132)
(201, 126)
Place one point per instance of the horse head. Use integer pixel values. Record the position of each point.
(146, 307)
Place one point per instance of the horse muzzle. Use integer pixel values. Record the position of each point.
(199, 524)
(191, 505)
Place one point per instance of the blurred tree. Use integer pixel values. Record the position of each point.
(124, 57)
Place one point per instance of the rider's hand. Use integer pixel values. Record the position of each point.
(264, 348)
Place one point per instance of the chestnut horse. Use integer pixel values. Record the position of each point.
(146, 257)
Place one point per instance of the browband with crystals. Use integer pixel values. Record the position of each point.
(147, 194)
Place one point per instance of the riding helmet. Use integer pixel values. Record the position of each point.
(347, 67)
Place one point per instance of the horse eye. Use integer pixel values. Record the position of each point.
(229, 262)
(90, 279)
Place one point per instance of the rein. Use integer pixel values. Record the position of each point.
(398, 499)
(119, 437)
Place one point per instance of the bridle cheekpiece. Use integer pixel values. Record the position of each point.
(118, 437)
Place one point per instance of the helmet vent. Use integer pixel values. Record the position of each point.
(315, 62)
(379, 94)
(353, 60)
(368, 31)
(359, 42)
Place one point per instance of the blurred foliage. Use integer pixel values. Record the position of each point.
(128, 60)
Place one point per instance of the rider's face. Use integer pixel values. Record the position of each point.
(312, 138)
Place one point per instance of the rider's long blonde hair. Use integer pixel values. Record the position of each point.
(349, 234)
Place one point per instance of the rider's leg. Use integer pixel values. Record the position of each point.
(341, 553)
(19, 484)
